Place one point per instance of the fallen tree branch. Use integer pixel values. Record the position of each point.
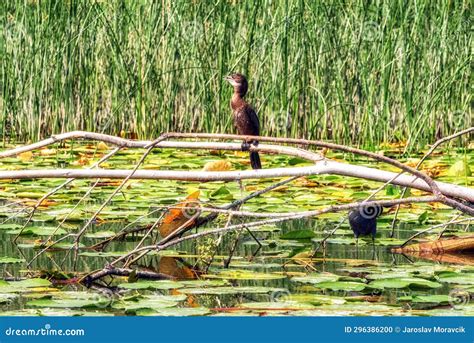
(56, 189)
(88, 279)
(326, 167)
(420, 162)
(305, 214)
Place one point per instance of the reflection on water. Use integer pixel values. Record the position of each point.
(346, 260)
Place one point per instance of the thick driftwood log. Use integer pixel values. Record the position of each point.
(439, 246)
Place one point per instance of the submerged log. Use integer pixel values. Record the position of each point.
(450, 245)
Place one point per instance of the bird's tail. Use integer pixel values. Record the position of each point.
(255, 160)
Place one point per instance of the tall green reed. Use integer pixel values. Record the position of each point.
(362, 72)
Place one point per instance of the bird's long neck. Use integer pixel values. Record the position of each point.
(238, 96)
(237, 100)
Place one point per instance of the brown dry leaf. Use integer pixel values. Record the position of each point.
(240, 153)
(48, 202)
(179, 215)
(82, 161)
(102, 146)
(394, 145)
(251, 188)
(112, 183)
(48, 152)
(305, 182)
(25, 156)
(217, 166)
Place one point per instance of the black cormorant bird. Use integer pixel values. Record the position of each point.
(245, 117)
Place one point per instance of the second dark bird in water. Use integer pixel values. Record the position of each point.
(363, 220)
(245, 117)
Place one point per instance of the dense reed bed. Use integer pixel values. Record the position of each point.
(360, 72)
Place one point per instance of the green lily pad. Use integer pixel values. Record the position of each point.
(9, 260)
(7, 297)
(457, 278)
(299, 234)
(10, 226)
(316, 278)
(150, 302)
(316, 299)
(72, 300)
(103, 253)
(460, 169)
(158, 284)
(403, 283)
(342, 286)
(175, 311)
(285, 305)
(204, 283)
(38, 231)
(12, 286)
(433, 298)
(100, 234)
(230, 290)
(238, 274)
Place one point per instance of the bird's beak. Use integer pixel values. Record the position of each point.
(228, 78)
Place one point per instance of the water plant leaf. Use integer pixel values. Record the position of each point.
(38, 231)
(100, 234)
(299, 234)
(150, 302)
(24, 284)
(238, 274)
(431, 298)
(457, 278)
(9, 260)
(175, 311)
(460, 169)
(403, 283)
(7, 297)
(221, 192)
(72, 300)
(230, 290)
(158, 284)
(217, 166)
(204, 283)
(316, 278)
(285, 305)
(342, 286)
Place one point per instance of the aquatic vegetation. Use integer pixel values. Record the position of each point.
(284, 278)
